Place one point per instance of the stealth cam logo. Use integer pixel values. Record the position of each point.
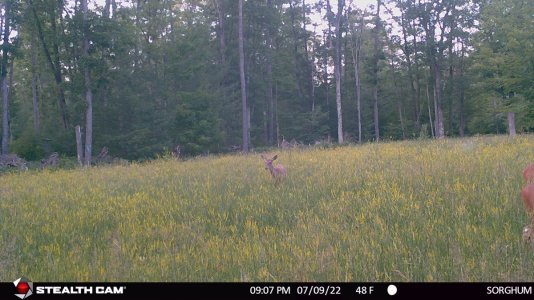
(24, 287)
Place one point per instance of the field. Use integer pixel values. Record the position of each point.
(401, 211)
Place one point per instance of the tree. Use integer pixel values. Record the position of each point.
(88, 88)
(337, 67)
(502, 66)
(52, 55)
(356, 39)
(4, 81)
(376, 57)
(244, 106)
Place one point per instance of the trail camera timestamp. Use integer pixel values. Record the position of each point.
(309, 290)
(270, 290)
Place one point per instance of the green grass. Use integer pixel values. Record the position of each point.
(406, 211)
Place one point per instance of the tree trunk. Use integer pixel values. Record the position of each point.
(221, 17)
(88, 90)
(309, 62)
(107, 5)
(325, 79)
(270, 101)
(300, 89)
(375, 70)
(511, 124)
(430, 112)
(450, 88)
(435, 53)
(440, 128)
(462, 95)
(35, 90)
(337, 71)
(57, 72)
(276, 114)
(4, 79)
(79, 146)
(244, 106)
(407, 54)
(356, 46)
(418, 109)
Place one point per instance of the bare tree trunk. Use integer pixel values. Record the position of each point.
(418, 109)
(276, 114)
(511, 124)
(244, 106)
(4, 79)
(270, 100)
(309, 62)
(430, 112)
(220, 14)
(35, 90)
(329, 14)
(407, 54)
(356, 46)
(5, 116)
(440, 128)
(300, 90)
(57, 73)
(450, 87)
(375, 71)
(462, 95)
(337, 71)
(495, 117)
(325, 79)
(88, 90)
(106, 9)
(79, 146)
(435, 53)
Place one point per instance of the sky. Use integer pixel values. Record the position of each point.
(314, 17)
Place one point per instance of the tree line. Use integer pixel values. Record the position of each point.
(140, 77)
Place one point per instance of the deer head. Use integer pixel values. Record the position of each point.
(277, 172)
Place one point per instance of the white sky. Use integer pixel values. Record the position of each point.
(315, 17)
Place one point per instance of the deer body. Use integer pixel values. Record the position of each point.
(528, 198)
(278, 172)
(528, 173)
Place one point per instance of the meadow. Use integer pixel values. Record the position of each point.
(447, 210)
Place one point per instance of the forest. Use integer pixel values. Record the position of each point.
(140, 77)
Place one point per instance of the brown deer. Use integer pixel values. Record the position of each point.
(528, 199)
(278, 172)
(528, 173)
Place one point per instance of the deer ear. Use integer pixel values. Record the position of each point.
(275, 157)
(263, 157)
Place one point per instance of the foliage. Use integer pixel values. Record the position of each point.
(196, 125)
(151, 62)
(28, 146)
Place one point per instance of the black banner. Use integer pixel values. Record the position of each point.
(23, 289)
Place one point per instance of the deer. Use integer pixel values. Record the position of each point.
(527, 193)
(278, 172)
(528, 173)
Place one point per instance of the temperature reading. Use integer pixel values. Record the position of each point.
(364, 290)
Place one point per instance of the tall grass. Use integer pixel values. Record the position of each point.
(406, 211)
